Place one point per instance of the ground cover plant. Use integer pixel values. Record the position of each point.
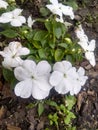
(42, 61)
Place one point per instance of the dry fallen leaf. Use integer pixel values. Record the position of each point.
(10, 127)
(2, 112)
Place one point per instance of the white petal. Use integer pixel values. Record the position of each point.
(91, 57)
(16, 23)
(54, 9)
(91, 46)
(63, 87)
(30, 22)
(14, 46)
(30, 66)
(42, 83)
(67, 10)
(38, 93)
(43, 68)
(21, 73)
(23, 89)
(55, 78)
(23, 51)
(16, 12)
(22, 19)
(12, 62)
(6, 17)
(81, 71)
(62, 66)
(3, 4)
(54, 2)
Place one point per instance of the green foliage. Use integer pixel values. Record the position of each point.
(72, 3)
(40, 108)
(62, 112)
(8, 74)
(9, 33)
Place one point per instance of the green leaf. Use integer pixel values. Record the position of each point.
(51, 103)
(72, 3)
(44, 11)
(59, 54)
(64, 45)
(70, 101)
(48, 25)
(40, 35)
(9, 33)
(8, 75)
(42, 53)
(40, 108)
(57, 30)
(36, 44)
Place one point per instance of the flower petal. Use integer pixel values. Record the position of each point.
(91, 46)
(3, 4)
(23, 89)
(30, 66)
(16, 23)
(55, 78)
(63, 86)
(38, 93)
(21, 73)
(91, 57)
(81, 71)
(43, 68)
(12, 62)
(23, 51)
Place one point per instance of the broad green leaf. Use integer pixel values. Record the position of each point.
(44, 11)
(36, 44)
(59, 54)
(70, 101)
(51, 103)
(42, 53)
(40, 108)
(9, 33)
(49, 26)
(64, 45)
(72, 3)
(8, 75)
(40, 35)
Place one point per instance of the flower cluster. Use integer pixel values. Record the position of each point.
(38, 79)
(88, 46)
(59, 9)
(3, 4)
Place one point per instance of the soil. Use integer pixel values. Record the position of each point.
(14, 113)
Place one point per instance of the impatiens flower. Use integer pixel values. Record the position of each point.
(14, 17)
(59, 9)
(33, 79)
(30, 22)
(12, 54)
(79, 79)
(3, 4)
(66, 79)
(88, 46)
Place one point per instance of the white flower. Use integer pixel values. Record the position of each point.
(79, 79)
(66, 79)
(88, 46)
(30, 22)
(61, 77)
(33, 79)
(12, 54)
(3, 4)
(60, 9)
(14, 17)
